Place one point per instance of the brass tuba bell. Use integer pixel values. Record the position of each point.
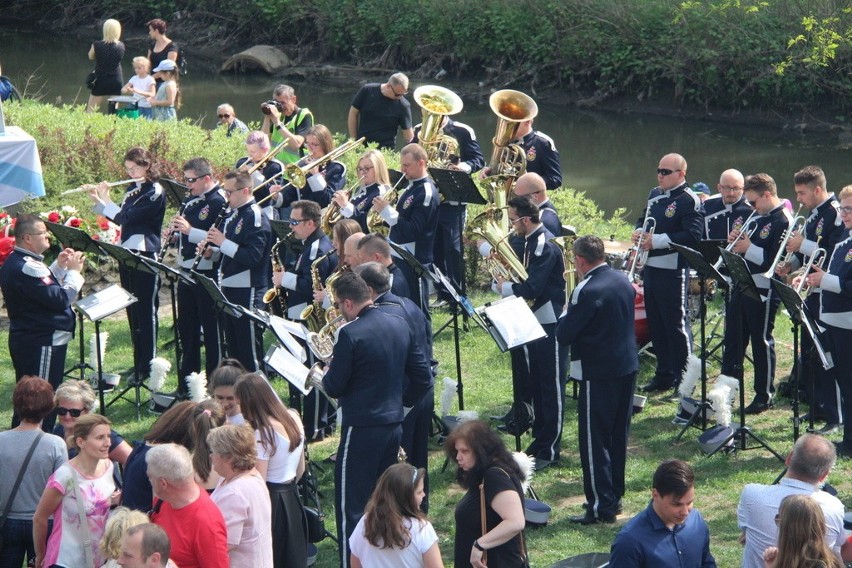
(435, 103)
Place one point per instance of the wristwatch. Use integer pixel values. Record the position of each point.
(477, 546)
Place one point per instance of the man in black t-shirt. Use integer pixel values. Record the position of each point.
(378, 110)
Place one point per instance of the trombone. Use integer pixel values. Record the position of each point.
(744, 230)
(817, 259)
(268, 156)
(640, 255)
(89, 187)
(298, 175)
(797, 226)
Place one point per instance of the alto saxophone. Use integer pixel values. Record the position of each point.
(276, 292)
(331, 215)
(313, 314)
(375, 223)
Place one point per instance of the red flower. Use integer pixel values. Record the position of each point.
(75, 222)
(53, 217)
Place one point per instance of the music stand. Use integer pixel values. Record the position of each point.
(744, 284)
(171, 276)
(80, 241)
(175, 191)
(800, 316)
(705, 272)
(394, 176)
(284, 232)
(96, 307)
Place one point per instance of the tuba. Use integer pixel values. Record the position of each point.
(435, 103)
(275, 292)
(502, 262)
(508, 161)
(313, 314)
(298, 175)
(565, 244)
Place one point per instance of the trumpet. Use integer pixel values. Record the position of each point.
(640, 255)
(817, 259)
(744, 230)
(797, 226)
(90, 187)
(298, 175)
(332, 215)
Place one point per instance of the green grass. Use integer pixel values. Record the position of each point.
(487, 381)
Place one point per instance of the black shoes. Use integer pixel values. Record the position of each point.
(757, 407)
(829, 428)
(618, 507)
(590, 519)
(843, 451)
(656, 386)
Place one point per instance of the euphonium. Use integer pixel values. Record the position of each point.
(375, 223)
(502, 263)
(332, 215)
(313, 314)
(332, 313)
(298, 175)
(435, 103)
(275, 292)
(322, 342)
(566, 244)
(508, 161)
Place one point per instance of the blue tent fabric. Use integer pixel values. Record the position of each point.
(8, 90)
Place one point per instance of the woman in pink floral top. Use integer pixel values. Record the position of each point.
(89, 478)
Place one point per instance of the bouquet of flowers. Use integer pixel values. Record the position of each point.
(7, 239)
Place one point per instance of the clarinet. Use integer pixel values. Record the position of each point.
(174, 234)
(200, 255)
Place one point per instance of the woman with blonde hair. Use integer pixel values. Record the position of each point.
(107, 55)
(801, 536)
(119, 521)
(394, 531)
(372, 171)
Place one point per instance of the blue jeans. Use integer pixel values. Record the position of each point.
(17, 542)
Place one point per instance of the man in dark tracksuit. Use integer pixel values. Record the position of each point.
(244, 242)
(677, 213)
(374, 354)
(823, 230)
(537, 362)
(198, 213)
(39, 300)
(598, 325)
(756, 317)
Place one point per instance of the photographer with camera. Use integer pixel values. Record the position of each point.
(284, 120)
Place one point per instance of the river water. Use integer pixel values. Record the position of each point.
(610, 156)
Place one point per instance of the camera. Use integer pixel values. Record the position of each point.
(265, 106)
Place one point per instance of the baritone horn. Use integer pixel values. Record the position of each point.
(435, 103)
(298, 175)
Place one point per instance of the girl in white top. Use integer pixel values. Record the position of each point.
(394, 532)
(141, 85)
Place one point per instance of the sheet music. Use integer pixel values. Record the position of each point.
(286, 365)
(285, 331)
(514, 321)
(106, 302)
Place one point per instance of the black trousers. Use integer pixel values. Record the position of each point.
(447, 250)
(604, 410)
(243, 337)
(30, 356)
(142, 315)
(547, 388)
(840, 345)
(195, 313)
(415, 438)
(827, 392)
(665, 297)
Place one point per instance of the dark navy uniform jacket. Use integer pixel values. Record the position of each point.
(319, 187)
(550, 218)
(470, 153)
(268, 175)
(373, 355)
(399, 285)
(599, 326)
(542, 158)
(360, 203)
(38, 302)
(720, 219)
(823, 229)
(415, 218)
(418, 324)
(765, 242)
(836, 287)
(245, 252)
(545, 284)
(140, 216)
(200, 212)
(299, 284)
(679, 220)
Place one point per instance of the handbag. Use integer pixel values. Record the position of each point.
(315, 521)
(18, 483)
(91, 79)
(521, 535)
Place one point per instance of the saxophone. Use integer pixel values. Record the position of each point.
(276, 292)
(375, 223)
(313, 314)
(331, 215)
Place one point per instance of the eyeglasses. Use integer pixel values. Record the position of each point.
(364, 170)
(193, 180)
(513, 221)
(845, 210)
(665, 172)
(728, 188)
(74, 412)
(224, 116)
(294, 222)
(398, 95)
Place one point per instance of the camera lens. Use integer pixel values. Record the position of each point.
(264, 108)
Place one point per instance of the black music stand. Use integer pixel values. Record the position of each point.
(709, 249)
(96, 307)
(705, 272)
(79, 241)
(171, 276)
(175, 191)
(394, 176)
(743, 283)
(800, 316)
(284, 232)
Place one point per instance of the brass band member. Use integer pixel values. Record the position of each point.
(374, 171)
(323, 180)
(342, 230)
(375, 248)
(257, 146)
(140, 216)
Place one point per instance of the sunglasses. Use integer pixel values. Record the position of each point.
(294, 222)
(74, 412)
(192, 180)
(224, 116)
(665, 171)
